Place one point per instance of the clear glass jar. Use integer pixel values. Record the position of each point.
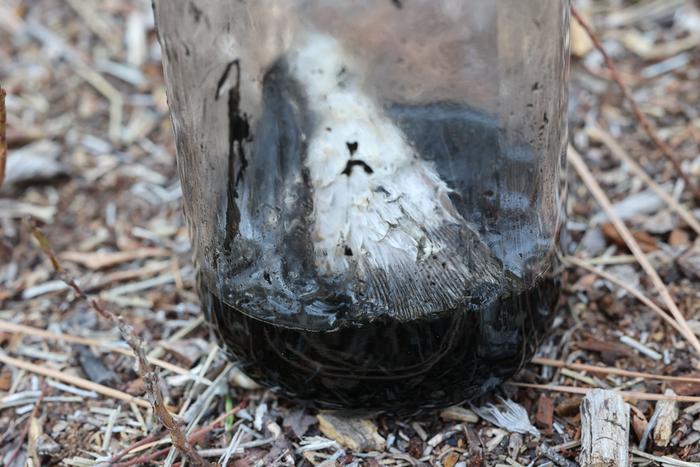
(373, 188)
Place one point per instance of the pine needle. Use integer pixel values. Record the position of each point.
(627, 395)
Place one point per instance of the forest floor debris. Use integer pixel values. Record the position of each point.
(85, 84)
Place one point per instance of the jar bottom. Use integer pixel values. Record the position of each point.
(388, 364)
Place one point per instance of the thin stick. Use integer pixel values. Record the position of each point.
(646, 124)
(149, 375)
(640, 396)
(70, 379)
(3, 135)
(150, 439)
(600, 196)
(7, 326)
(632, 291)
(606, 370)
(604, 137)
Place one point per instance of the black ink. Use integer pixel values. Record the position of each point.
(348, 167)
(238, 134)
(352, 147)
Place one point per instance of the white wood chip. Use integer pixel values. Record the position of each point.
(668, 413)
(605, 425)
(641, 348)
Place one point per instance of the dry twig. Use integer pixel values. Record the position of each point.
(643, 120)
(600, 196)
(149, 375)
(612, 371)
(627, 395)
(3, 135)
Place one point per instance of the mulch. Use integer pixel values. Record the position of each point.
(92, 164)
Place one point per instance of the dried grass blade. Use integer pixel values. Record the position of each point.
(640, 396)
(612, 371)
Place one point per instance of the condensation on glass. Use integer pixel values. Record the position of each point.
(372, 186)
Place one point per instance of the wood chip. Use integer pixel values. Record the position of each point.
(581, 44)
(568, 407)
(36, 162)
(450, 460)
(638, 422)
(646, 242)
(5, 380)
(459, 414)
(668, 413)
(186, 351)
(613, 350)
(94, 368)
(641, 348)
(358, 434)
(299, 422)
(605, 425)
(678, 237)
(544, 418)
(687, 388)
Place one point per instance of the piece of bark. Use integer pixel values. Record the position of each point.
(679, 237)
(668, 413)
(609, 351)
(450, 460)
(686, 388)
(544, 418)
(358, 434)
(5, 379)
(568, 407)
(605, 425)
(638, 421)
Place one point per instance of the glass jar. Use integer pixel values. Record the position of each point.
(373, 188)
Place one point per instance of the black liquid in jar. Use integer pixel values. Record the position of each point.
(388, 364)
(348, 356)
